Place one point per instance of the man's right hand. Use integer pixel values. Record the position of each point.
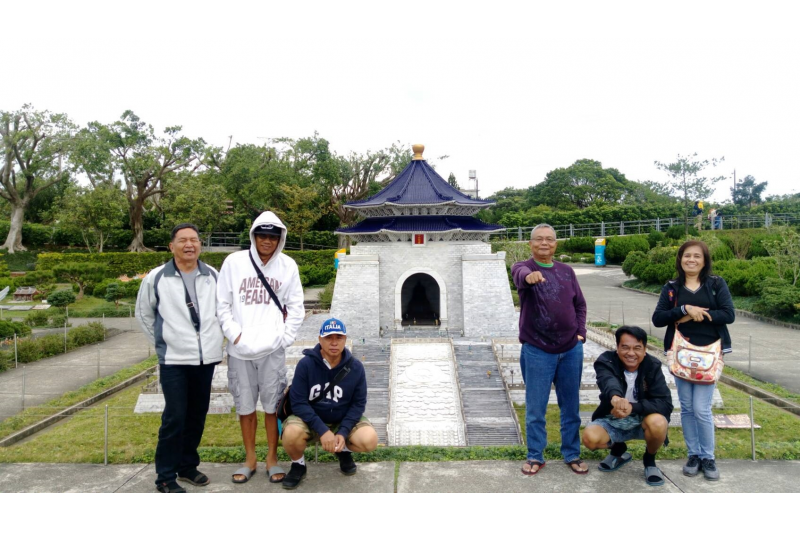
(534, 277)
(328, 441)
(621, 407)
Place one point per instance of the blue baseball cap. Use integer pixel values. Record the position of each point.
(332, 326)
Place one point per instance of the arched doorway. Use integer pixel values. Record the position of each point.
(420, 299)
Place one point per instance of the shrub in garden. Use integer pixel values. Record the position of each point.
(718, 249)
(634, 258)
(62, 298)
(779, 298)
(57, 319)
(618, 248)
(9, 328)
(655, 238)
(658, 266)
(29, 350)
(36, 319)
(584, 245)
(679, 232)
(744, 278)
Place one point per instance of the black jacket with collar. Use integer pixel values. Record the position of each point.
(668, 311)
(654, 395)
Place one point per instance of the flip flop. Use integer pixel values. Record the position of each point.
(653, 476)
(244, 471)
(274, 471)
(532, 463)
(578, 462)
(613, 462)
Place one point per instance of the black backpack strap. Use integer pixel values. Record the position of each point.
(336, 380)
(267, 286)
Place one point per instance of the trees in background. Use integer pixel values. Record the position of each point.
(686, 182)
(747, 193)
(94, 212)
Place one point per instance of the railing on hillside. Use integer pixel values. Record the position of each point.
(636, 227)
(219, 239)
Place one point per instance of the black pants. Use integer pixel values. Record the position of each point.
(187, 392)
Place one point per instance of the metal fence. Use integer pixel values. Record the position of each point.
(222, 239)
(637, 227)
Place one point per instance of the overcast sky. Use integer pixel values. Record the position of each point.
(510, 91)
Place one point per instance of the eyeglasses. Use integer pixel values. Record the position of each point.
(548, 240)
(193, 240)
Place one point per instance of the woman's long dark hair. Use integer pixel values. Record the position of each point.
(706, 270)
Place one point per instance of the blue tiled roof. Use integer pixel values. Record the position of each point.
(419, 184)
(428, 223)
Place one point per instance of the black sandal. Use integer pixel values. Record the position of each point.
(195, 477)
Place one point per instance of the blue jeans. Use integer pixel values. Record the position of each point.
(187, 393)
(696, 417)
(539, 371)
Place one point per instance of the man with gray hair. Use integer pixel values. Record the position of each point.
(177, 310)
(552, 330)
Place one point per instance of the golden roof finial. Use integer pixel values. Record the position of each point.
(418, 149)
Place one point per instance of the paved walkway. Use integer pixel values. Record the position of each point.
(460, 476)
(52, 377)
(775, 349)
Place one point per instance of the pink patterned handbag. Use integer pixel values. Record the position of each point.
(697, 364)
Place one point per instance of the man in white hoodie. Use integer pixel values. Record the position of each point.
(258, 331)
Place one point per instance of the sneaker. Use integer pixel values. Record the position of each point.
(346, 463)
(296, 474)
(170, 487)
(692, 466)
(710, 471)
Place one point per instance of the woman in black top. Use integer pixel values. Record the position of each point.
(700, 306)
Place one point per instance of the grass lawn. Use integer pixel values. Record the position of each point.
(132, 438)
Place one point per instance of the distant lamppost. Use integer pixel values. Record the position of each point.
(473, 175)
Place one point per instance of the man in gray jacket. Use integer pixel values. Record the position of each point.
(177, 309)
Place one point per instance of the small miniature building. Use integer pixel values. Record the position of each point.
(26, 294)
(421, 258)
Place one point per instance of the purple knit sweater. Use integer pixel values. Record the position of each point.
(553, 312)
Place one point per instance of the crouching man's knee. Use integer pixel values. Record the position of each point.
(294, 436)
(595, 437)
(655, 426)
(363, 439)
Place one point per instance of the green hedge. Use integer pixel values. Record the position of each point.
(745, 277)
(8, 328)
(583, 245)
(618, 248)
(555, 217)
(656, 266)
(319, 263)
(680, 231)
(29, 350)
(779, 298)
(130, 288)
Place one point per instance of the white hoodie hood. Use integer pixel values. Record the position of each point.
(251, 321)
(267, 218)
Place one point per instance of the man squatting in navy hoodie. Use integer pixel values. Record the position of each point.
(332, 413)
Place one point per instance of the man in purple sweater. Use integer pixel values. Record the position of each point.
(552, 330)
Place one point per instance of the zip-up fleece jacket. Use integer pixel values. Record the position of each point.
(162, 313)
